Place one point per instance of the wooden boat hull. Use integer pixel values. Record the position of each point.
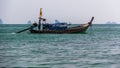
(77, 29)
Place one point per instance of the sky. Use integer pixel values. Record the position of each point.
(74, 11)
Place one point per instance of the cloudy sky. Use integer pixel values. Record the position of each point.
(74, 11)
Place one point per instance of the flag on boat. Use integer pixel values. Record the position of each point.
(40, 12)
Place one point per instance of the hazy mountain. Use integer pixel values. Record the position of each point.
(29, 22)
(1, 22)
(111, 22)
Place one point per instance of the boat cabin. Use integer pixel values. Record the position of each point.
(55, 26)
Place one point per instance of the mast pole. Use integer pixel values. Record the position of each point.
(39, 23)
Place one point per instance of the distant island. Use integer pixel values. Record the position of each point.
(1, 22)
(29, 22)
(111, 22)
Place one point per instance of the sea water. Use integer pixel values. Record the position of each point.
(98, 48)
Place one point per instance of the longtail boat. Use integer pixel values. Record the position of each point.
(57, 28)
